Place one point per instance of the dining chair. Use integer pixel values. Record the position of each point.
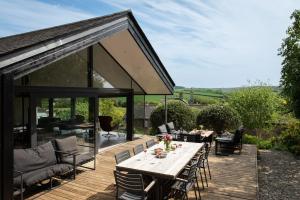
(198, 159)
(131, 186)
(183, 185)
(120, 157)
(150, 143)
(138, 149)
(205, 159)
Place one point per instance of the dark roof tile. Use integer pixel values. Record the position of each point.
(13, 43)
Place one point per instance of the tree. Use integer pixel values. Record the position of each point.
(255, 104)
(290, 73)
(219, 118)
(178, 112)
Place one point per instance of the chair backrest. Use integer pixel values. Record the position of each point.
(105, 123)
(192, 172)
(171, 126)
(131, 183)
(150, 143)
(200, 159)
(31, 159)
(120, 157)
(162, 129)
(237, 138)
(206, 149)
(138, 149)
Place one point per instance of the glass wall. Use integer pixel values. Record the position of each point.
(64, 117)
(116, 109)
(70, 71)
(21, 125)
(107, 72)
(139, 114)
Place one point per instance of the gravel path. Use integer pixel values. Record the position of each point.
(278, 175)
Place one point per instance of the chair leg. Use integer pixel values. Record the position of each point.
(186, 194)
(208, 168)
(205, 176)
(201, 178)
(195, 191)
(21, 188)
(51, 183)
(198, 185)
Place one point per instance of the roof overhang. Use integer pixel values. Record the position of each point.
(120, 35)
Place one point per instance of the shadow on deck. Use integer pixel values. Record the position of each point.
(233, 177)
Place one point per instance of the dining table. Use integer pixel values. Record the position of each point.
(161, 168)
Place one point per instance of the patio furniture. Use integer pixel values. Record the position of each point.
(19, 189)
(120, 157)
(199, 159)
(105, 124)
(190, 137)
(162, 129)
(229, 143)
(131, 186)
(67, 149)
(205, 160)
(197, 136)
(34, 165)
(138, 149)
(173, 131)
(183, 185)
(150, 143)
(162, 169)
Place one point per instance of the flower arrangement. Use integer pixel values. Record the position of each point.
(167, 140)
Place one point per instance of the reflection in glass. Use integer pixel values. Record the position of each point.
(70, 117)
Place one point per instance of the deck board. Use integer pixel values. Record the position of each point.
(234, 177)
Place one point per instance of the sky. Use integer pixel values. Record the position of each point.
(202, 43)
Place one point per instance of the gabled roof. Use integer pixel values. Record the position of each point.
(18, 42)
(32, 50)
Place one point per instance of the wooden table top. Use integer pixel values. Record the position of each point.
(203, 133)
(168, 168)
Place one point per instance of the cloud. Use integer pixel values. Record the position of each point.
(207, 43)
(19, 16)
(219, 43)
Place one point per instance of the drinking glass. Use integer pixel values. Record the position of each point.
(185, 138)
(145, 151)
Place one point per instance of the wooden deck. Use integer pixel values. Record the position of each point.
(233, 177)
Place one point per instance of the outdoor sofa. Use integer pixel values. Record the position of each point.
(228, 143)
(34, 165)
(67, 149)
(169, 128)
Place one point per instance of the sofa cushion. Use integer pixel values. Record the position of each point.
(36, 176)
(163, 129)
(26, 160)
(171, 126)
(68, 144)
(80, 158)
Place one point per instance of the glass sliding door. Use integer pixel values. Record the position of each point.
(21, 122)
(114, 108)
(65, 117)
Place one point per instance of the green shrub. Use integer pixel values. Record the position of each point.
(255, 105)
(107, 107)
(260, 143)
(219, 118)
(178, 112)
(250, 139)
(290, 138)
